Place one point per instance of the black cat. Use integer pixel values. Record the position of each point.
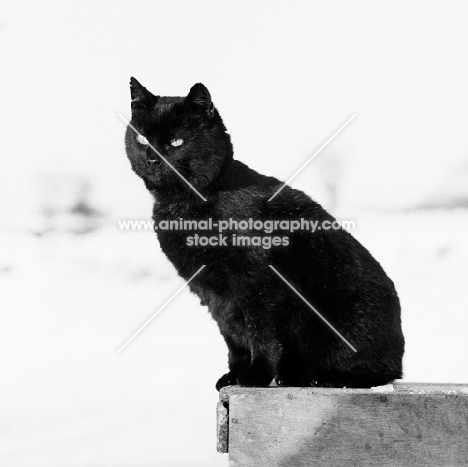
(270, 332)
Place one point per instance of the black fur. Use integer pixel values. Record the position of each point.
(269, 331)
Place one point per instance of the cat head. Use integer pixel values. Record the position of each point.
(170, 137)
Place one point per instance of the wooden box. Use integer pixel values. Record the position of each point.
(422, 425)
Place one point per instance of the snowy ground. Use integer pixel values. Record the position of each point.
(70, 301)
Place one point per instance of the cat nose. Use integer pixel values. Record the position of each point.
(152, 159)
(152, 162)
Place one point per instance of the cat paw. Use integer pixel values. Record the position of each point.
(225, 380)
(292, 382)
(255, 378)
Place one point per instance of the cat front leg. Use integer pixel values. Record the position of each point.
(291, 370)
(260, 373)
(266, 353)
(238, 359)
(254, 347)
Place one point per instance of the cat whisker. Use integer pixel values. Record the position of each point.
(123, 179)
(115, 175)
(117, 171)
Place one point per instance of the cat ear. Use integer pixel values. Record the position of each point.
(200, 95)
(141, 97)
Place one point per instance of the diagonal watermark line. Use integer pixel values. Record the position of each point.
(160, 309)
(164, 159)
(313, 309)
(312, 157)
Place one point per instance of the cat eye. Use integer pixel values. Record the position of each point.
(176, 142)
(142, 140)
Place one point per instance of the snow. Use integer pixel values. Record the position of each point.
(74, 289)
(67, 397)
(70, 301)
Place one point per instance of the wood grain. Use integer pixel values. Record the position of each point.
(412, 425)
(222, 427)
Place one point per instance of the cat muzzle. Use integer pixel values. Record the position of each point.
(152, 159)
(151, 162)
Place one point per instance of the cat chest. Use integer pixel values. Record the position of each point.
(229, 316)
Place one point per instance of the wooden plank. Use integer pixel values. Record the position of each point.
(427, 388)
(222, 427)
(412, 425)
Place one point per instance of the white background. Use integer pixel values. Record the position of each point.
(284, 76)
